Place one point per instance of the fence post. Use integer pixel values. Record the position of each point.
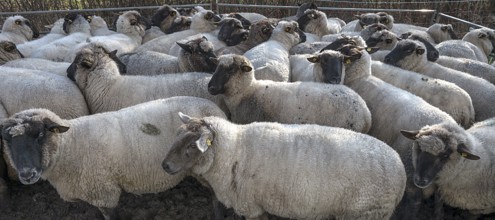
(214, 6)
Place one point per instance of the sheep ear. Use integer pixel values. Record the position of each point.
(113, 53)
(204, 37)
(206, 139)
(410, 134)
(185, 47)
(420, 51)
(54, 127)
(246, 68)
(371, 50)
(481, 35)
(314, 59)
(464, 152)
(184, 118)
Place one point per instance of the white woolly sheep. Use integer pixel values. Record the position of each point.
(473, 67)
(477, 42)
(63, 49)
(333, 172)
(99, 26)
(97, 75)
(316, 22)
(18, 30)
(392, 110)
(302, 68)
(436, 33)
(56, 32)
(459, 162)
(194, 56)
(95, 158)
(59, 68)
(152, 33)
(270, 59)
(202, 22)
(444, 95)
(410, 55)
(259, 32)
(8, 52)
(250, 100)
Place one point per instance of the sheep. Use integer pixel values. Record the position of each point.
(444, 95)
(271, 58)
(18, 30)
(436, 33)
(315, 22)
(410, 55)
(302, 8)
(62, 50)
(249, 99)
(259, 32)
(164, 17)
(194, 57)
(97, 75)
(56, 32)
(59, 68)
(368, 19)
(99, 26)
(317, 71)
(392, 110)
(473, 67)
(8, 52)
(202, 22)
(256, 160)
(384, 39)
(476, 44)
(95, 158)
(458, 161)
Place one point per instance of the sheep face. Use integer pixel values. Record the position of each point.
(312, 22)
(131, 22)
(408, 54)
(201, 52)
(330, 68)
(372, 18)
(25, 135)
(246, 24)
(8, 52)
(441, 32)
(181, 23)
(289, 33)
(74, 23)
(193, 139)
(261, 31)
(164, 17)
(232, 32)
(384, 40)
(20, 25)
(434, 148)
(432, 53)
(187, 11)
(371, 29)
(231, 69)
(205, 21)
(87, 59)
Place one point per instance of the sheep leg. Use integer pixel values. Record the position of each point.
(109, 213)
(438, 206)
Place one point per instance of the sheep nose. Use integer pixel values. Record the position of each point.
(421, 182)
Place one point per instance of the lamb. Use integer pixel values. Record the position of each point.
(392, 110)
(18, 30)
(271, 58)
(476, 44)
(409, 55)
(97, 75)
(56, 32)
(99, 26)
(202, 22)
(444, 95)
(83, 163)
(458, 161)
(315, 22)
(259, 32)
(473, 67)
(8, 52)
(249, 99)
(62, 50)
(194, 57)
(59, 68)
(323, 166)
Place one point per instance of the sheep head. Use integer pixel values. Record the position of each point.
(193, 139)
(164, 17)
(131, 22)
(436, 147)
(330, 68)
(231, 70)
(181, 23)
(27, 137)
(232, 31)
(20, 25)
(8, 52)
(205, 21)
(76, 23)
(196, 55)
(407, 54)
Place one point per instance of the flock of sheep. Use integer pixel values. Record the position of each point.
(306, 117)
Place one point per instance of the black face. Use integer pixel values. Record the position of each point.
(245, 22)
(179, 25)
(372, 42)
(122, 67)
(183, 154)
(230, 30)
(26, 151)
(11, 52)
(305, 19)
(369, 19)
(305, 6)
(402, 50)
(210, 16)
(220, 77)
(432, 53)
(428, 166)
(161, 14)
(187, 11)
(68, 21)
(339, 43)
(332, 68)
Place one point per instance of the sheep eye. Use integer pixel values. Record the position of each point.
(388, 41)
(133, 21)
(287, 29)
(172, 14)
(18, 22)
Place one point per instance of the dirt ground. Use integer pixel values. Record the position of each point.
(188, 200)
